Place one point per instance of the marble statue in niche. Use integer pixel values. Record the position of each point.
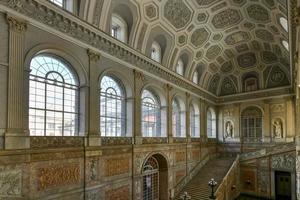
(228, 129)
(277, 128)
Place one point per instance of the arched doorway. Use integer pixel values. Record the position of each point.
(252, 124)
(155, 178)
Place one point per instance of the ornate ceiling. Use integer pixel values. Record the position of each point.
(226, 40)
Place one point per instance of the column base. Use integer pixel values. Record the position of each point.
(93, 141)
(16, 142)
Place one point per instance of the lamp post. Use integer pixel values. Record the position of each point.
(185, 196)
(212, 183)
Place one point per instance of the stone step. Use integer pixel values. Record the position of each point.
(198, 187)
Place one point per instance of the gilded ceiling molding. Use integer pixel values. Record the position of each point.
(70, 26)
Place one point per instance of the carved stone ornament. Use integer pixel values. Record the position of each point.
(277, 128)
(10, 183)
(283, 161)
(228, 130)
(87, 34)
(16, 25)
(93, 55)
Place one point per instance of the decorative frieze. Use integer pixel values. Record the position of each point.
(10, 183)
(116, 166)
(55, 142)
(111, 141)
(283, 161)
(157, 140)
(56, 176)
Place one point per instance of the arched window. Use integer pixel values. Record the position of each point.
(118, 28)
(69, 5)
(285, 44)
(284, 23)
(178, 120)
(58, 2)
(156, 52)
(112, 108)
(196, 77)
(194, 121)
(53, 98)
(252, 123)
(211, 123)
(151, 115)
(180, 67)
(250, 84)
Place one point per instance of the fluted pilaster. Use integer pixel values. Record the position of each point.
(16, 133)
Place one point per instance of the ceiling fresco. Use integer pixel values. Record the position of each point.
(228, 40)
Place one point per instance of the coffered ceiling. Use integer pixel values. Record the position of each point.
(226, 40)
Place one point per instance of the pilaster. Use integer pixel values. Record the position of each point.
(169, 94)
(17, 134)
(94, 134)
(187, 117)
(139, 80)
(266, 122)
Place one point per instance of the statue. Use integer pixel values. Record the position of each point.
(277, 129)
(229, 130)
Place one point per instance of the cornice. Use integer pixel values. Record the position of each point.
(44, 15)
(256, 95)
(55, 19)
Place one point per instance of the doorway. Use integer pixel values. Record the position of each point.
(283, 185)
(155, 178)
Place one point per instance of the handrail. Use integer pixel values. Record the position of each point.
(267, 151)
(224, 180)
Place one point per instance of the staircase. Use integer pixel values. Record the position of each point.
(198, 187)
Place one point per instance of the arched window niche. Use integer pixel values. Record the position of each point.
(156, 52)
(194, 120)
(211, 123)
(251, 123)
(180, 67)
(178, 118)
(113, 107)
(119, 28)
(195, 78)
(153, 113)
(53, 97)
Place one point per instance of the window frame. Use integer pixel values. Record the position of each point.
(44, 94)
(158, 124)
(120, 118)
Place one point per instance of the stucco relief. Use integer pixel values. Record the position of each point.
(177, 13)
(283, 161)
(10, 183)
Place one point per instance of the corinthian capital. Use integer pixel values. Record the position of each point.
(93, 55)
(16, 25)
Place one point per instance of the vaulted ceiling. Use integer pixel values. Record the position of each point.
(225, 40)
